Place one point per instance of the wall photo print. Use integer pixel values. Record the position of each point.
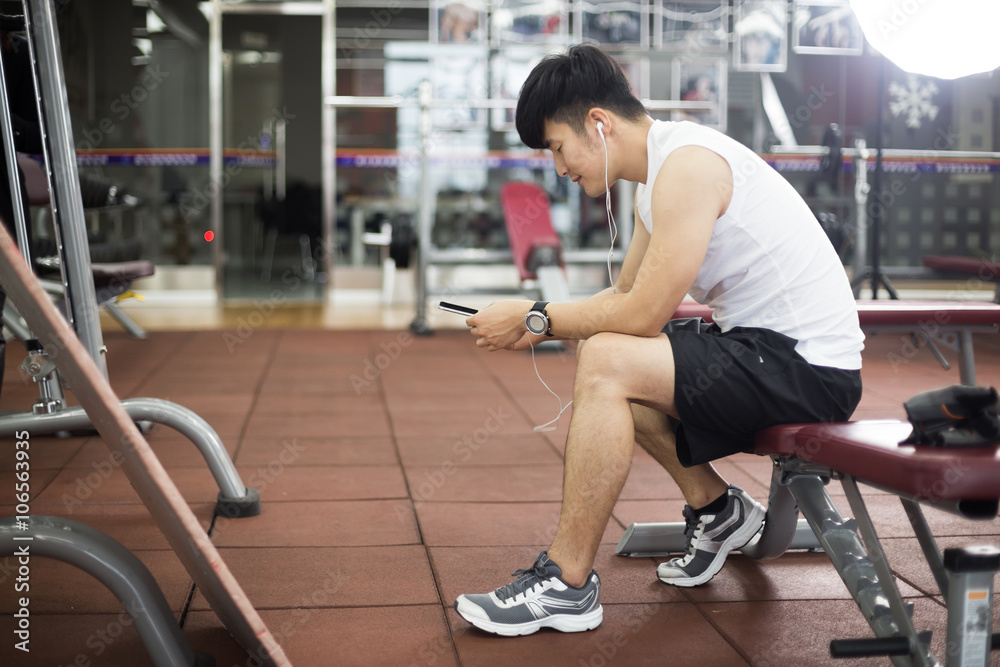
(613, 22)
(458, 21)
(761, 30)
(530, 22)
(826, 27)
(692, 27)
(701, 80)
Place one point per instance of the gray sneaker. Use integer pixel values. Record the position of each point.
(537, 599)
(711, 537)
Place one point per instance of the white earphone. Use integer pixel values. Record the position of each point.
(607, 201)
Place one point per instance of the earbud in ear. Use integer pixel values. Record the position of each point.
(600, 128)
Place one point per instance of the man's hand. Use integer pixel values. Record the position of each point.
(500, 326)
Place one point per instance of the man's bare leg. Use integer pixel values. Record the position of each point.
(613, 371)
(700, 484)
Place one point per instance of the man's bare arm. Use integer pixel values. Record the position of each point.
(692, 190)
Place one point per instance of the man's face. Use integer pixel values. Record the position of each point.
(577, 157)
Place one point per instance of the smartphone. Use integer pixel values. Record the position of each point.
(459, 310)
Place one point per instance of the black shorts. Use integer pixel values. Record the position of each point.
(728, 386)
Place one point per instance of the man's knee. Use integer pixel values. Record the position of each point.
(598, 358)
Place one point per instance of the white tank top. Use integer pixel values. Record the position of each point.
(769, 263)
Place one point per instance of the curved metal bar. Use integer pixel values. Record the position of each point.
(114, 566)
(177, 417)
(780, 524)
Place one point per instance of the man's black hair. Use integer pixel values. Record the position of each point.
(562, 88)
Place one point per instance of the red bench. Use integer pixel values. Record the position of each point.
(975, 273)
(965, 266)
(950, 323)
(870, 451)
(533, 239)
(964, 481)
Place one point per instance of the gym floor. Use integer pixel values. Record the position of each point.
(399, 472)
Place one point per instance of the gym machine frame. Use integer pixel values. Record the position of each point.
(76, 344)
(50, 414)
(427, 254)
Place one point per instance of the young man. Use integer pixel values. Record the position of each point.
(713, 221)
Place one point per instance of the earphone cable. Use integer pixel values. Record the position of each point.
(612, 226)
(548, 426)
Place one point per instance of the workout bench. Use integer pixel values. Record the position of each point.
(962, 481)
(970, 270)
(111, 279)
(949, 323)
(534, 244)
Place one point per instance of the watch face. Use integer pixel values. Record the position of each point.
(535, 323)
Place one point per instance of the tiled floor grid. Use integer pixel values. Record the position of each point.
(397, 472)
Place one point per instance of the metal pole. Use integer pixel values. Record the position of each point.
(329, 139)
(877, 209)
(215, 137)
(10, 155)
(819, 151)
(427, 195)
(861, 189)
(280, 159)
(398, 101)
(64, 180)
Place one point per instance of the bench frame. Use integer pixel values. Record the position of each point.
(853, 547)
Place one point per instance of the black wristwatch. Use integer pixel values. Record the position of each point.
(537, 320)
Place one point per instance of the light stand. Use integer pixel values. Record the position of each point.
(874, 270)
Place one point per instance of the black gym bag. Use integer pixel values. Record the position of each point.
(956, 416)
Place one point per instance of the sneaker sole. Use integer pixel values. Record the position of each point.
(737, 540)
(561, 622)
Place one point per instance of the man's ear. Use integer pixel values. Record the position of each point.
(600, 118)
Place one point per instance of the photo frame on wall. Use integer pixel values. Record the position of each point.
(612, 23)
(458, 21)
(827, 27)
(701, 80)
(530, 22)
(692, 27)
(761, 35)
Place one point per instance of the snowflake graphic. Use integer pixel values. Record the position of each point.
(915, 100)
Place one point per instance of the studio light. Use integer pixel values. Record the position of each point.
(947, 39)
